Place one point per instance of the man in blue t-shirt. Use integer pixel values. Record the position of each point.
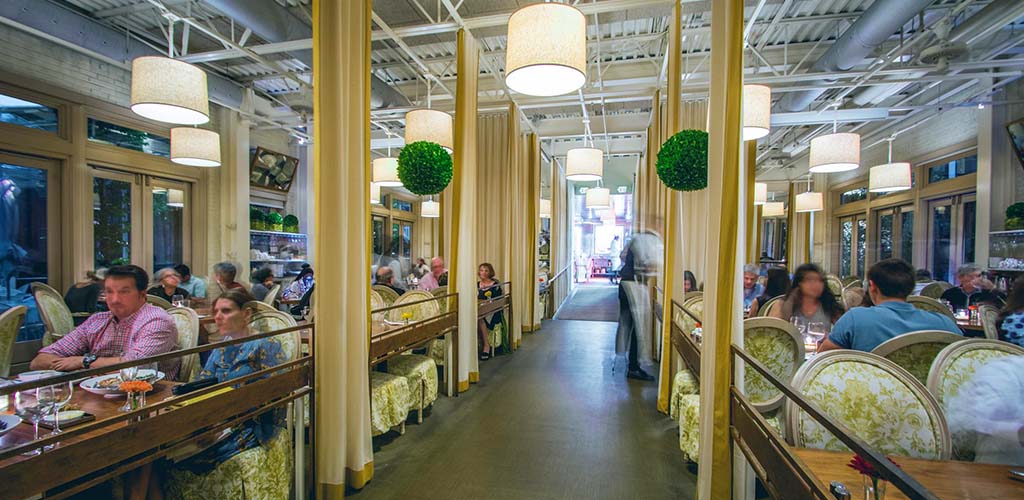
(862, 328)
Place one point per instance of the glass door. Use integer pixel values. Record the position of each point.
(895, 233)
(168, 211)
(853, 232)
(115, 198)
(951, 234)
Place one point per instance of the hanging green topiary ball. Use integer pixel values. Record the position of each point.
(424, 168)
(683, 161)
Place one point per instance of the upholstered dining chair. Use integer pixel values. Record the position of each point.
(915, 351)
(376, 303)
(56, 316)
(158, 301)
(389, 295)
(775, 343)
(853, 296)
(271, 294)
(10, 323)
(390, 402)
(834, 284)
(695, 305)
(187, 322)
(878, 401)
(768, 305)
(690, 295)
(259, 305)
(420, 371)
(439, 292)
(929, 304)
(954, 367)
(935, 289)
(268, 321)
(853, 281)
(989, 315)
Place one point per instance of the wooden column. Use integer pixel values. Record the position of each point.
(341, 49)
(722, 295)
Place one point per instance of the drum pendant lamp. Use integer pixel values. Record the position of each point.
(195, 147)
(430, 209)
(757, 111)
(584, 164)
(169, 91)
(598, 197)
(430, 125)
(374, 193)
(546, 53)
(760, 193)
(890, 177)
(835, 152)
(545, 209)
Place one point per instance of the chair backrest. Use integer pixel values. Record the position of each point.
(389, 295)
(53, 311)
(929, 304)
(685, 322)
(989, 315)
(376, 302)
(763, 312)
(776, 344)
(935, 289)
(878, 401)
(10, 323)
(695, 305)
(158, 301)
(187, 322)
(419, 312)
(268, 321)
(915, 351)
(440, 291)
(259, 305)
(690, 295)
(853, 296)
(834, 284)
(272, 294)
(853, 281)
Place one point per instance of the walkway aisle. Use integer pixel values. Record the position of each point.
(548, 422)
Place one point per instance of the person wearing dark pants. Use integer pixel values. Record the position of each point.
(628, 317)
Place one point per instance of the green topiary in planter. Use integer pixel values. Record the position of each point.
(276, 221)
(424, 168)
(683, 161)
(291, 223)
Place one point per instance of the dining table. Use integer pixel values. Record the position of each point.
(946, 479)
(971, 328)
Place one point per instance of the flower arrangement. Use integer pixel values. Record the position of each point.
(406, 316)
(874, 486)
(487, 294)
(135, 386)
(425, 168)
(683, 161)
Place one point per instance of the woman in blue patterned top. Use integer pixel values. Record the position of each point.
(1011, 319)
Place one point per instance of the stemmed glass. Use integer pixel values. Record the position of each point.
(28, 406)
(56, 397)
(178, 300)
(816, 330)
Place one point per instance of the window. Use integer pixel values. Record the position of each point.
(128, 138)
(378, 223)
(28, 114)
(895, 233)
(853, 195)
(907, 237)
(168, 223)
(112, 221)
(846, 248)
(951, 234)
(773, 239)
(398, 204)
(953, 169)
(885, 243)
(853, 231)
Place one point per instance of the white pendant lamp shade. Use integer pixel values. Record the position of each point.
(545, 209)
(890, 177)
(810, 202)
(195, 147)
(374, 193)
(430, 209)
(757, 111)
(584, 164)
(547, 50)
(598, 197)
(385, 172)
(837, 152)
(169, 91)
(429, 125)
(175, 198)
(760, 193)
(773, 209)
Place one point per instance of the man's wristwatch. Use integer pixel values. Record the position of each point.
(88, 359)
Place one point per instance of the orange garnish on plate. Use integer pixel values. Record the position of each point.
(135, 386)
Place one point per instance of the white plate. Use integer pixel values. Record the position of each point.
(11, 422)
(66, 415)
(92, 384)
(38, 374)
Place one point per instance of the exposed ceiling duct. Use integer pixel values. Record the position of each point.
(274, 23)
(860, 40)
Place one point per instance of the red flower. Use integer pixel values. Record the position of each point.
(864, 467)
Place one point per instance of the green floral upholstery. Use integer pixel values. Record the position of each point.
(389, 295)
(989, 315)
(53, 311)
(695, 306)
(257, 473)
(684, 321)
(158, 301)
(498, 336)
(878, 401)
(187, 322)
(683, 384)
(930, 304)
(420, 312)
(689, 420)
(935, 289)
(852, 280)
(268, 321)
(915, 351)
(777, 345)
(389, 401)
(420, 372)
(377, 302)
(10, 322)
(835, 285)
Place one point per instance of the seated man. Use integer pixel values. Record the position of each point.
(131, 329)
(438, 275)
(973, 290)
(386, 277)
(890, 281)
(924, 278)
(751, 288)
(195, 287)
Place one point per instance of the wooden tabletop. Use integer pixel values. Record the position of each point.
(970, 325)
(947, 479)
(99, 406)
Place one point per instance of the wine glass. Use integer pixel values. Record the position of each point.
(817, 331)
(56, 397)
(178, 300)
(28, 407)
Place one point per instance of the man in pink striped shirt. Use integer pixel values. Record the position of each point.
(132, 329)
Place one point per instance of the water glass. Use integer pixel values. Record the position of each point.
(800, 324)
(56, 397)
(178, 300)
(29, 408)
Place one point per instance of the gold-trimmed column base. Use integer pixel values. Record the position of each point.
(359, 478)
(463, 385)
(474, 377)
(330, 491)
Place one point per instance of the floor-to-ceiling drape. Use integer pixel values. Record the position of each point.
(522, 253)
(561, 225)
(341, 45)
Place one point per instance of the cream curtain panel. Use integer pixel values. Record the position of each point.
(560, 227)
(341, 36)
(524, 253)
(694, 227)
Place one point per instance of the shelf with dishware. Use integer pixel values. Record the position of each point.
(284, 253)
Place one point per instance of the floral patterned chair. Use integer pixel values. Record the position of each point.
(419, 312)
(259, 306)
(955, 366)
(419, 371)
(929, 304)
(10, 322)
(389, 295)
(683, 383)
(989, 315)
(268, 321)
(875, 399)
(777, 345)
(763, 312)
(390, 402)
(835, 285)
(158, 301)
(187, 322)
(695, 305)
(376, 303)
(935, 289)
(56, 316)
(915, 351)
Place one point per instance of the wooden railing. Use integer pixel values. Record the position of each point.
(387, 341)
(549, 305)
(117, 442)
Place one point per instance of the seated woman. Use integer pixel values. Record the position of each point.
(83, 297)
(809, 300)
(487, 288)
(262, 281)
(776, 284)
(166, 287)
(689, 282)
(303, 282)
